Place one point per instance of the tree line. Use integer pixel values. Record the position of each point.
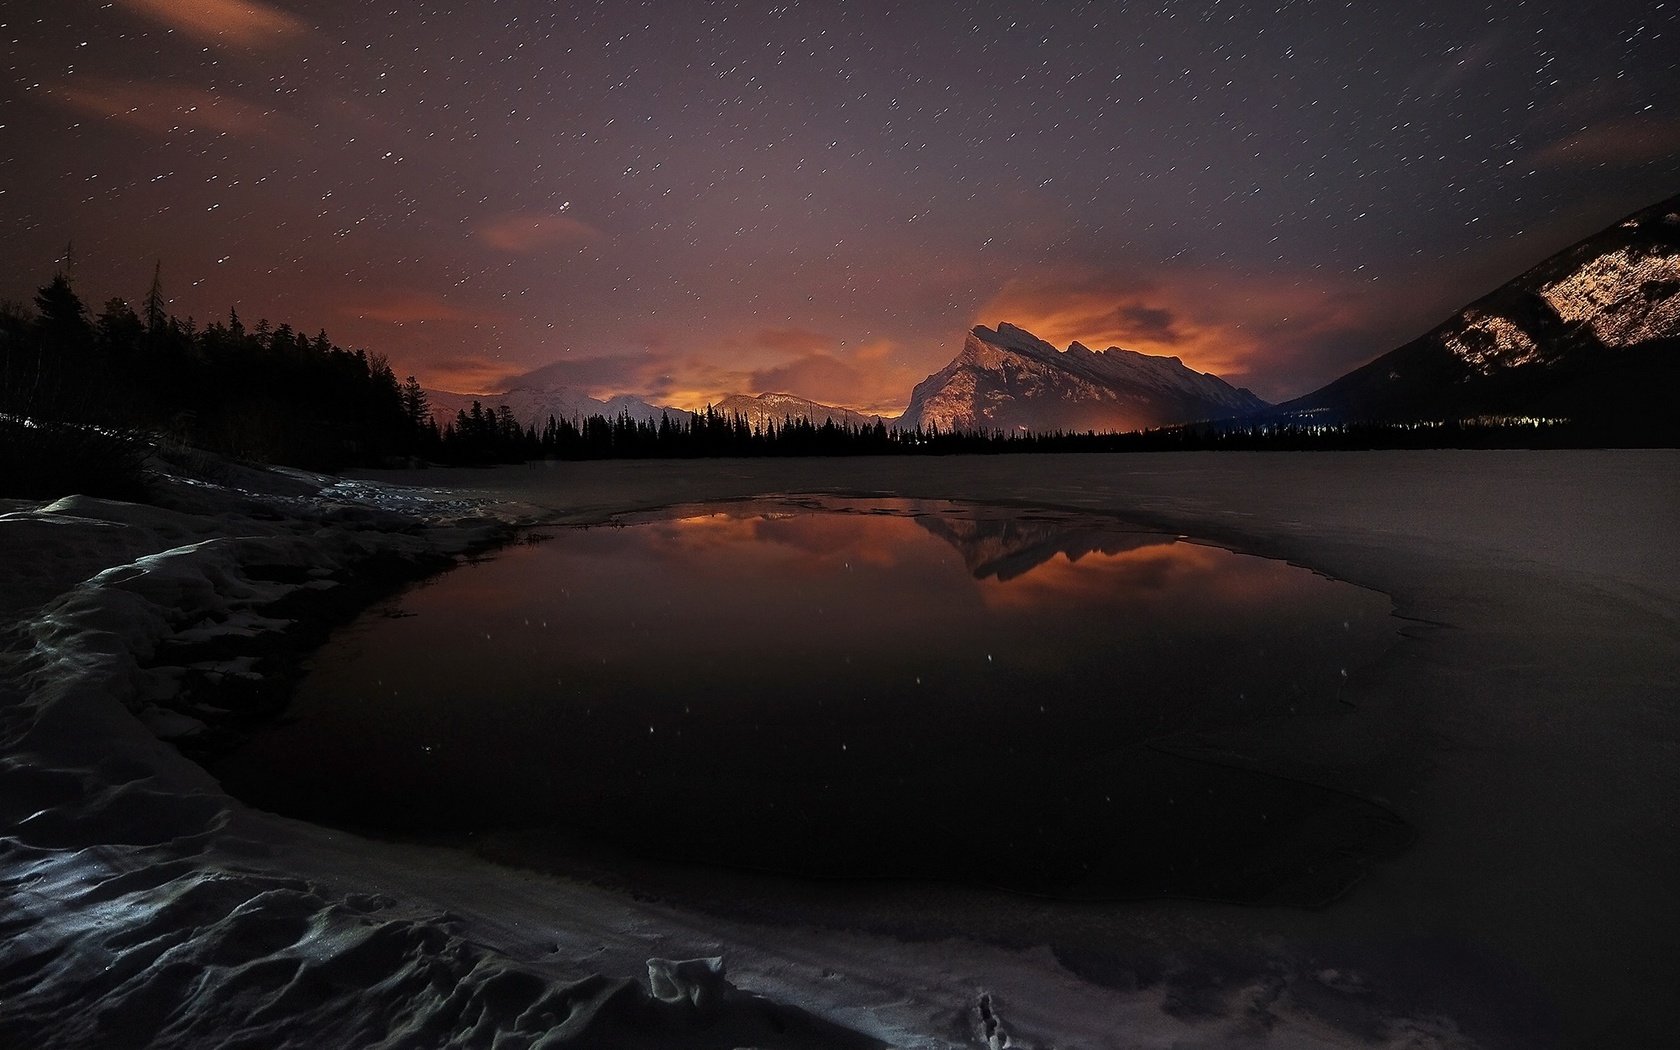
(484, 435)
(263, 392)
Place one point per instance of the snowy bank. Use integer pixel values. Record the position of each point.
(143, 907)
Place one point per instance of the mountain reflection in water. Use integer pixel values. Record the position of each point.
(879, 688)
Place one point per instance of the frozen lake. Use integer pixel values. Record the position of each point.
(1041, 700)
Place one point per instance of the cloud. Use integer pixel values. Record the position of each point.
(529, 232)
(810, 372)
(1103, 310)
(792, 340)
(656, 372)
(403, 308)
(1618, 143)
(1274, 334)
(607, 375)
(239, 23)
(1152, 323)
(466, 373)
(867, 379)
(163, 109)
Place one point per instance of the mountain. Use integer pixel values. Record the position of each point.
(1010, 379)
(532, 405)
(1592, 334)
(774, 408)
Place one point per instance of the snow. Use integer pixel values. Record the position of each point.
(1488, 342)
(143, 907)
(773, 408)
(1119, 365)
(1010, 378)
(1627, 296)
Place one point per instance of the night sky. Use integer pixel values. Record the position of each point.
(683, 200)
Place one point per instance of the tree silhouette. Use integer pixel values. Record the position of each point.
(156, 307)
(62, 322)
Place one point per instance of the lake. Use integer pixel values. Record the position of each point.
(1043, 701)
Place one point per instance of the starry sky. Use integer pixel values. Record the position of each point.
(687, 199)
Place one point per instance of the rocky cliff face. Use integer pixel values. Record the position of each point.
(1009, 379)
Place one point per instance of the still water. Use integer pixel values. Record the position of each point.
(855, 689)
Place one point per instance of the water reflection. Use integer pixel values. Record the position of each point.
(859, 688)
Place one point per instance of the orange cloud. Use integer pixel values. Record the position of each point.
(163, 109)
(690, 383)
(240, 23)
(882, 388)
(1230, 326)
(533, 232)
(1621, 143)
(474, 374)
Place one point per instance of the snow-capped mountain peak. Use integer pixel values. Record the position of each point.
(1008, 378)
(777, 408)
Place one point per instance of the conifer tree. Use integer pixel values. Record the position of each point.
(416, 407)
(62, 321)
(155, 305)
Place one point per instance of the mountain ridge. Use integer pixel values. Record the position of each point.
(1009, 379)
(774, 407)
(1591, 332)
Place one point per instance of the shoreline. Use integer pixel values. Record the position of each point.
(1498, 583)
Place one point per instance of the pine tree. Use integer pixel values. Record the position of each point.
(118, 327)
(416, 407)
(63, 321)
(155, 304)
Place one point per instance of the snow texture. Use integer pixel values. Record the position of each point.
(1489, 342)
(142, 907)
(771, 408)
(1627, 296)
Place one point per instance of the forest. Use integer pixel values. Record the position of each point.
(84, 396)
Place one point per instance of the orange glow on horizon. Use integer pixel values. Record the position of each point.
(1094, 317)
(1235, 328)
(475, 376)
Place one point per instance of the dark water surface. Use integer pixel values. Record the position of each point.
(854, 688)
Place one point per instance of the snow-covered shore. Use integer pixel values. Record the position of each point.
(143, 907)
